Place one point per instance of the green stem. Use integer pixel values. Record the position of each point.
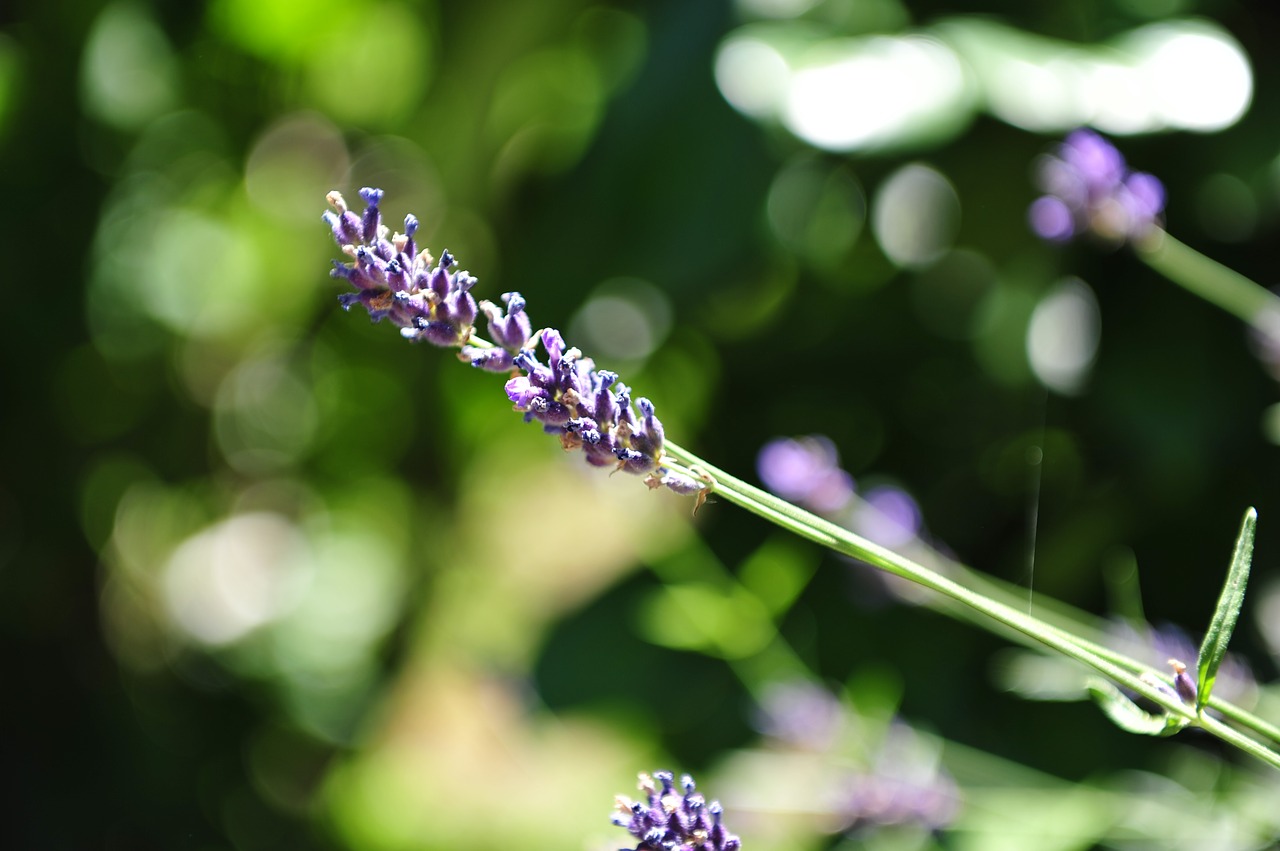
(1114, 666)
(1206, 278)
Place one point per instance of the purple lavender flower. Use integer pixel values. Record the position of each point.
(673, 820)
(589, 409)
(905, 785)
(510, 330)
(1090, 189)
(805, 471)
(395, 281)
(800, 714)
(889, 516)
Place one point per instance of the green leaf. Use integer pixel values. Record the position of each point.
(1129, 716)
(1214, 646)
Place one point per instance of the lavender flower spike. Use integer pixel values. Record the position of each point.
(392, 282)
(1090, 189)
(671, 819)
(589, 410)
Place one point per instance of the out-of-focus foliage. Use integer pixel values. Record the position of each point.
(273, 578)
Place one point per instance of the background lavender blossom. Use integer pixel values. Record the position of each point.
(1091, 189)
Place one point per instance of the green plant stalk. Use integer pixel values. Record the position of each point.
(1068, 624)
(1116, 667)
(1206, 278)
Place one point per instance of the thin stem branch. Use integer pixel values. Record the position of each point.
(1114, 666)
(1207, 278)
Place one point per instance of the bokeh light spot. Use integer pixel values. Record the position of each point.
(1178, 74)
(625, 318)
(265, 416)
(545, 110)
(290, 159)
(1062, 337)
(202, 275)
(816, 211)
(1197, 76)
(915, 215)
(877, 92)
(128, 75)
(752, 75)
(374, 70)
(277, 30)
(235, 576)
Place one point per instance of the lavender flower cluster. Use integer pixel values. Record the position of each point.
(589, 409)
(673, 820)
(1091, 189)
(904, 783)
(806, 471)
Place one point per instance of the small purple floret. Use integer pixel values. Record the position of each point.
(805, 471)
(889, 517)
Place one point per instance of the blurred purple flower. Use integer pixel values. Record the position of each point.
(805, 471)
(800, 714)
(1089, 188)
(884, 800)
(889, 516)
(589, 409)
(673, 820)
(904, 786)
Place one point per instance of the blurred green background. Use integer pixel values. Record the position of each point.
(271, 578)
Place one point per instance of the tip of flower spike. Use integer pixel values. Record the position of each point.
(669, 819)
(446, 259)
(336, 200)
(410, 224)
(371, 196)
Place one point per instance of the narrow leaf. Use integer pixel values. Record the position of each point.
(1214, 646)
(1129, 716)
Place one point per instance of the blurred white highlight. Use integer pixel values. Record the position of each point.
(882, 92)
(1062, 337)
(1176, 75)
(1196, 76)
(238, 575)
(752, 75)
(873, 91)
(915, 217)
(625, 318)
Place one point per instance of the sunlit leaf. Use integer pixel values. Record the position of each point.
(1223, 624)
